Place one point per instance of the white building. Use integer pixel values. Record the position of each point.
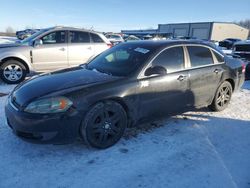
(216, 31)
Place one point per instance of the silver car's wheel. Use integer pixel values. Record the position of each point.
(12, 72)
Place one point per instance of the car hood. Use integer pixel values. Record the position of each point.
(46, 84)
(10, 45)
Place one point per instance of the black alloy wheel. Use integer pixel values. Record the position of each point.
(104, 124)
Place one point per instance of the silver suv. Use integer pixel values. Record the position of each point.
(48, 50)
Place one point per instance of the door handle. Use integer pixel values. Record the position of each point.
(182, 77)
(89, 48)
(217, 71)
(62, 49)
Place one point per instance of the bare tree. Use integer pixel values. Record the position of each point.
(245, 23)
(10, 30)
(30, 27)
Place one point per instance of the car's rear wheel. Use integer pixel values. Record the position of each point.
(12, 71)
(222, 97)
(104, 124)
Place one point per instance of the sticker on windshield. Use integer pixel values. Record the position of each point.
(142, 50)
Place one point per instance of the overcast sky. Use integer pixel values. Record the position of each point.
(114, 15)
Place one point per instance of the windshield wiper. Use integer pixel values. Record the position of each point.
(101, 71)
(95, 69)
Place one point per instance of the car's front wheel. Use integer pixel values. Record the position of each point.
(104, 124)
(12, 71)
(222, 97)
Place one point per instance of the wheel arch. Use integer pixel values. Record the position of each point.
(124, 105)
(231, 81)
(17, 59)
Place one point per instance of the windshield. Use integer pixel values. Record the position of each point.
(121, 60)
(32, 37)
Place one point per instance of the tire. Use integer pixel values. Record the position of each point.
(12, 71)
(222, 97)
(104, 125)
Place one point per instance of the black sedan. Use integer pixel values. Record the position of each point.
(242, 50)
(125, 85)
(228, 43)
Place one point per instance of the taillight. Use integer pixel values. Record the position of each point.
(110, 45)
(243, 67)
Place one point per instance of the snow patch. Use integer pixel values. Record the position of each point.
(6, 39)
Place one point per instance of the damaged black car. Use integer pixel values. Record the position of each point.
(120, 88)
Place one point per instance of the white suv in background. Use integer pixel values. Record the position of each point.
(48, 50)
(114, 38)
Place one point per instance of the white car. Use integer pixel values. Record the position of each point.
(114, 38)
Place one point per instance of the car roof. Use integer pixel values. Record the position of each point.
(71, 28)
(165, 43)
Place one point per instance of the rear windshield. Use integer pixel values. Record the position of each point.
(122, 59)
(96, 38)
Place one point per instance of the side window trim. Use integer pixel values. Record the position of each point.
(141, 74)
(91, 38)
(67, 36)
(187, 58)
(215, 58)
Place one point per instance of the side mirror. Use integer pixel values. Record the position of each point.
(156, 70)
(38, 42)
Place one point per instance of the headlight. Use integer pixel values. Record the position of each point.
(50, 105)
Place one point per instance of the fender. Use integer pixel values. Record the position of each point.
(20, 56)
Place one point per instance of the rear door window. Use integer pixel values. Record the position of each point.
(96, 38)
(79, 37)
(200, 56)
(171, 59)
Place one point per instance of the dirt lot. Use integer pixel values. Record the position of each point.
(195, 149)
